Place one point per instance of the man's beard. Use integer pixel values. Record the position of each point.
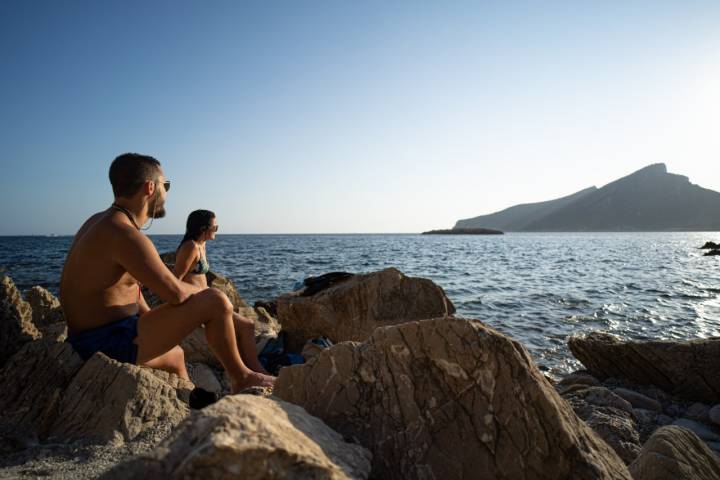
(155, 209)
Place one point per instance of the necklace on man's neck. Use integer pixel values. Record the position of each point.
(126, 212)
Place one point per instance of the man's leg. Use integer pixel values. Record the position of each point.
(172, 361)
(163, 328)
(245, 331)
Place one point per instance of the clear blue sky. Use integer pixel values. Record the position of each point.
(311, 116)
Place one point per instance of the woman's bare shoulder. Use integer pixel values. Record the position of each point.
(187, 249)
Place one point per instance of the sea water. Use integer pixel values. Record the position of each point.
(539, 288)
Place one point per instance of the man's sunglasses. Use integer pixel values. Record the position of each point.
(166, 184)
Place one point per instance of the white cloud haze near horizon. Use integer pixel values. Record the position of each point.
(314, 117)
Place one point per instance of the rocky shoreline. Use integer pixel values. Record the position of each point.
(409, 390)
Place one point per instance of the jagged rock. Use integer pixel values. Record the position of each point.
(712, 253)
(703, 431)
(714, 415)
(265, 324)
(46, 309)
(16, 325)
(47, 313)
(610, 416)
(448, 398)
(202, 376)
(710, 246)
(107, 400)
(351, 310)
(638, 400)
(33, 381)
(675, 453)
(686, 369)
(250, 437)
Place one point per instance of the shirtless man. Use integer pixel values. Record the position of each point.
(101, 296)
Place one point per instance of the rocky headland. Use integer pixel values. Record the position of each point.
(408, 390)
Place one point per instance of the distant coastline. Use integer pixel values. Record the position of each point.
(465, 231)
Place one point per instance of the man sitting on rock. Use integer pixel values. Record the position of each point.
(101, 296)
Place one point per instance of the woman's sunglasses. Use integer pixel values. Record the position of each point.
(214, 228)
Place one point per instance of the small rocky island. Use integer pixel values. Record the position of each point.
(465, 231)
(713, 249)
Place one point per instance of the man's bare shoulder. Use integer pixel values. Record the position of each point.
(106, 226)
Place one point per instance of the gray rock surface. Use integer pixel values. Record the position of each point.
(203, 376)
(351, 310)
(251, 437)
(705, 432)
(448, 398)
(675, 453)
(714, 415)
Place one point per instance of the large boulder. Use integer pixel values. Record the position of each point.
(33, 381)
(686, 369)
(448, 398)
(353, 309)
(675, 453)
(111, 400)
(251, 437)
(16, 325)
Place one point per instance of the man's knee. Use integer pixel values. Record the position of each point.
(216, 300)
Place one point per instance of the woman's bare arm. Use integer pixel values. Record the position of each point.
(187, 256)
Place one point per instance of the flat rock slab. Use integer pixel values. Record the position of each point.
(449, 398)
(686, 369)
(353, 309)
(251, 437)
(675, 453)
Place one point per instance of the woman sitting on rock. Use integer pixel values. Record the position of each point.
(191, 266)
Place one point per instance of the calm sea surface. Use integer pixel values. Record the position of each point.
(538, 288)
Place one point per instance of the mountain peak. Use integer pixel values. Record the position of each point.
(654, 169)
(650, 199)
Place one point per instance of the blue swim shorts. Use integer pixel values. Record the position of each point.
(114, 340)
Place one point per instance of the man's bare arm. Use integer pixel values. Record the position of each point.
(143, 306)
(137, 254)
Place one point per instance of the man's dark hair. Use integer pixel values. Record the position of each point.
(130, 170)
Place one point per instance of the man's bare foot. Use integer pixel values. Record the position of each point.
(253, 379)
(260, 369)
